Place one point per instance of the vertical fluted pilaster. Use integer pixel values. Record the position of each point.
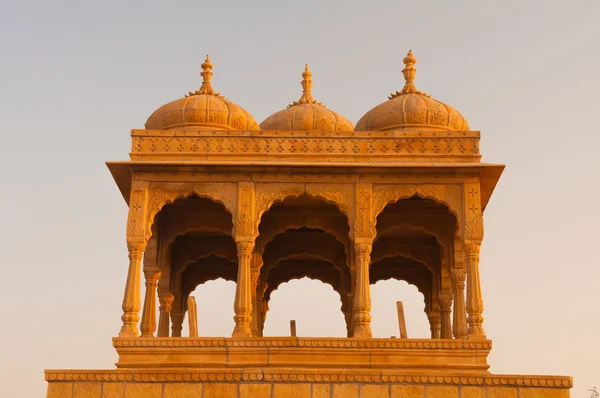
(177, 323)
(474, 298)
(243, 291)
(149, 314)
(362, 294)
(446, 327)
(435, 323)
(165, 301)
(460, 313)
(131, 298)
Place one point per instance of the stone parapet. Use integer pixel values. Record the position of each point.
(442, 356)
(303, 147)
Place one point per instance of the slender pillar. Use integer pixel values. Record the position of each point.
(460, 313)
(177, 323)
(131, 298)
(362, 295)
(166, 301)
(243, 291)
(474, 299)
(149, 313)
(435, 324)
(446, 326)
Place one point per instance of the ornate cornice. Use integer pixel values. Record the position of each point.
(312, 375)
(432, 344)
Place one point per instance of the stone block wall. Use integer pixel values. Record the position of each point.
(184, 389)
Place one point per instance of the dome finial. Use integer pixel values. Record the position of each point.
(206, 74)
(409, 73)
(307, 97)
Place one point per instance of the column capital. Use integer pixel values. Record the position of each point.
(166, 301)
(136, 247)
(363, 247)
(245, 246)
(152, 274)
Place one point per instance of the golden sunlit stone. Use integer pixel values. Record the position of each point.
(411, 109)
(210, 196)
(307, 114)
(202, 109)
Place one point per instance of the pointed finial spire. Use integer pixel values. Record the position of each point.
(307, 97)
(409, 73)
(206, 74)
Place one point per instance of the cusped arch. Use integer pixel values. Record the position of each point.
(384, 195)
(269, 292)
(161, 195)
(421, 289)
(268, 194)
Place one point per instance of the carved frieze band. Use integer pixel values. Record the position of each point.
(299, 145)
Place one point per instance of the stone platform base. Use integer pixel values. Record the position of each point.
(407, 356)
(295, 383)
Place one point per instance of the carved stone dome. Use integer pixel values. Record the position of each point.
(307, 114)
(202, 109)
(411, 109)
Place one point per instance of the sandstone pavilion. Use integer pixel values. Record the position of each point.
(213, 194)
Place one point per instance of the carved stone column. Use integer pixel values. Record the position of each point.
(460, 314)
(165, 301)
(435, 323)
(149, 314)
(131, 298)
(177, 323)
(474, 299)
(362, 294)
(243, 291)
(446, 326)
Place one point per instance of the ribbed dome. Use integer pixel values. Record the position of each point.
(411, 109)
(307, 114)
(203, 109)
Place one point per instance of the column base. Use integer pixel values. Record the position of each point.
(362, 332)
(129, 331)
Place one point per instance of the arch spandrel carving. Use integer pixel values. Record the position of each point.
(473, 231)
(163, 193)
(340, 195)
(447, 194)
(137, 217)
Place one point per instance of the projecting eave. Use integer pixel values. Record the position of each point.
(489, 173)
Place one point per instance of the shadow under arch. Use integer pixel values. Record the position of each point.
(170, 199)
(303, 196)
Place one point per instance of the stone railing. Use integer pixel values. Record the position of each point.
(298, 146)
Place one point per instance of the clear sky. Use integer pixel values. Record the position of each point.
(76, 76)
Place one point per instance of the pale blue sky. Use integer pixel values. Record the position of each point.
(77, 75)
